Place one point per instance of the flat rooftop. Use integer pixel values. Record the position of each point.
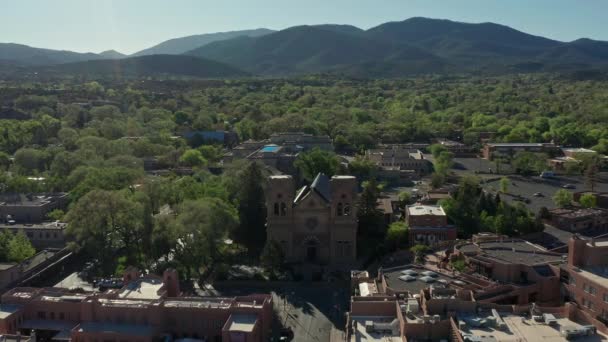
(522, 329)
(8, 309)
(6, 265)
(242, 322)
(597, 274)
(577, 213)
(419, 209)
(522, 144)
(142, 288)
(37, 259)
(361, 334)
(42, 226)
(516, 252)
(395, 279)
(123, 329)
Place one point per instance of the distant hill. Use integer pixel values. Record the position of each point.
(395, 49)
(144, 66)
(178, 46)
(112, 54)
(452, 39)
(305, 49)
(26, 55)
(412, 46)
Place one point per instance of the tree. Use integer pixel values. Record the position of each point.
(20, 248)
(588, 200)
(29, 160)
(591, 173)
(562, 198)
(458, 265)
(272, 257)
(370, 217)
(444, 162)
(107, 223)
(437, 149)
(362, 168)
(5, 239)
(405, 197)
(527, 163)
(192, 158)
(397, 235)
(317, 161)
(252, 208)
(419, 252)
(201, 227)
(504, 185)
(56, 215)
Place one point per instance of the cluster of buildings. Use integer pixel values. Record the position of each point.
(147, 308)
(399, 164)
(511, 290)
(280, 150)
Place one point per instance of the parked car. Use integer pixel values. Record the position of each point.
(538, 194)
(547, 174)
(568, 186)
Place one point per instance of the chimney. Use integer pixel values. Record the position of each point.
(171, 282)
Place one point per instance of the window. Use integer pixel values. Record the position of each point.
(276, 209)
(41, 315)
(346, 209)
(61, 316)
(588, 304)
(339, 210)
(283, 209)
(606, 297)
(343, 249)
(572, 281)
(589, 289)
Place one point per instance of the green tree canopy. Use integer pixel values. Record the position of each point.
(588, 200)
(317, 161)
(562, 198)
(20, 248)
(397, 235)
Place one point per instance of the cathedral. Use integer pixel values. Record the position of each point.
(316, 224)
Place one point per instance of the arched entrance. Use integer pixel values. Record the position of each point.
(311, 246)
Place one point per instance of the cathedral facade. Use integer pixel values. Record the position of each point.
(315, 224)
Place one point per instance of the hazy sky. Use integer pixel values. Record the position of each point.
(131, 25)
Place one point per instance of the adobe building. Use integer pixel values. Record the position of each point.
(493, 150)
(41, 235)
(316, 224)
(30, 208)
(585, 277)
(147, 308)
(396, 157)
(415, 304)
(458, 149)
(526, 272)
(303, 141)
(576, 219)
(428, 225)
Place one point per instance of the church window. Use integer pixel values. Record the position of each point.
(283, 209)
(276, 209)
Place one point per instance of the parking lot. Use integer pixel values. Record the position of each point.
(524, 188)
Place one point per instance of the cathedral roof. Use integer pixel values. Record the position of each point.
(321, 186)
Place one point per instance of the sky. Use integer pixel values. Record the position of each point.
(132, 25)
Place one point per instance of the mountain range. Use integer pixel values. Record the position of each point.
(394, 49)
